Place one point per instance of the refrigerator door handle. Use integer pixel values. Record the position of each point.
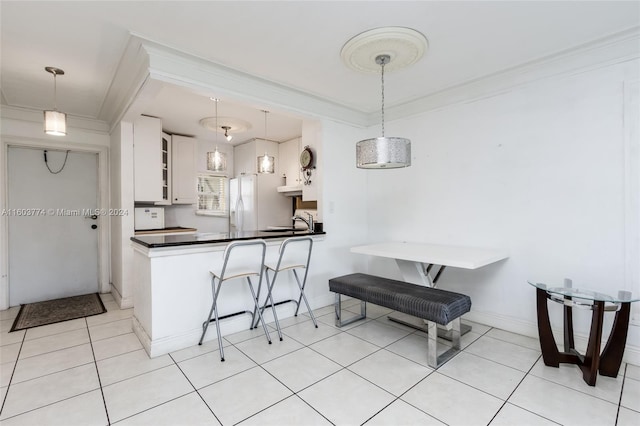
(239, 213)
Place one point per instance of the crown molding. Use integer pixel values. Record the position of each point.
(172, 66)
(128, 80)
(617, 48)
(145, 65)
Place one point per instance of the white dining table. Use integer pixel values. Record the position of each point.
(423, 264)
(417, 260)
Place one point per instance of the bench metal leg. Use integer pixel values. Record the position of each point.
(338, 309)
(433, 360)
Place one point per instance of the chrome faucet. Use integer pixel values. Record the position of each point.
(308, 221)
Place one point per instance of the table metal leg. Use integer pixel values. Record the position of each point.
(420, 274)
(415, 272)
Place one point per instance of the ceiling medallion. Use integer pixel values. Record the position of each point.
(225, 124)
(404, 46)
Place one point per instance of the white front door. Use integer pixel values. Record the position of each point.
(53, 249)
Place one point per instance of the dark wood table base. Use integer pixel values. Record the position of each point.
(607, 363)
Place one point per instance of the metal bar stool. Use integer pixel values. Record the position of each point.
(295, 253)
(242, 259)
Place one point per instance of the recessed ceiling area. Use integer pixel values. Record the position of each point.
(181, 111)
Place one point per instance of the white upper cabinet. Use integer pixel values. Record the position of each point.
(289, 161)
(245, 156)
(183, 170)
(244, 159)
(150, 170)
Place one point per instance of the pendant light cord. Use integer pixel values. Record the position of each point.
(55, 91)
(265, 123)
(216, 100)
(63, 164)
(382, 65)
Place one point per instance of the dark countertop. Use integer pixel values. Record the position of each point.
(173, 229)
(157, 241)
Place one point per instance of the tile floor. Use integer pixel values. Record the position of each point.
(94, 371)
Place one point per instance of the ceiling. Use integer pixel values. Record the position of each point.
(294, 43)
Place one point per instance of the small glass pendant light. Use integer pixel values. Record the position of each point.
(266, 163)
(55, 122)
(216, 160)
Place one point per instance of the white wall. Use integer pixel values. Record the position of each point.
(122, 227)
(538, 171)
(343, 209)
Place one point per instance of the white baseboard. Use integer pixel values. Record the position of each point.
(123, 302)
(526, 328)
(189, 338)
(228, 326)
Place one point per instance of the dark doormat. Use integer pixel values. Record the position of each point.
(58, 310)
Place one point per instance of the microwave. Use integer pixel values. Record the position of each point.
(148, 218)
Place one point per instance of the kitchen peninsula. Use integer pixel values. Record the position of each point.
(172, 289)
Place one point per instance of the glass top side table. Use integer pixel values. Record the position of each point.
(608, 362)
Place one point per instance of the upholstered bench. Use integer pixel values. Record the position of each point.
(436, 306)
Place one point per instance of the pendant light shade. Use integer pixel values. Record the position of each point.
(383, 153)
(216, 160)
(266, 163)
(55, 122)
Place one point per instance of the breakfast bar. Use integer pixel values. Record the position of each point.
(172, 291)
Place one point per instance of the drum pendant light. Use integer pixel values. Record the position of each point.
(379, 50)
(55, 122)
(383, 152)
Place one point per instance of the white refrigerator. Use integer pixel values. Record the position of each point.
(260, 204)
